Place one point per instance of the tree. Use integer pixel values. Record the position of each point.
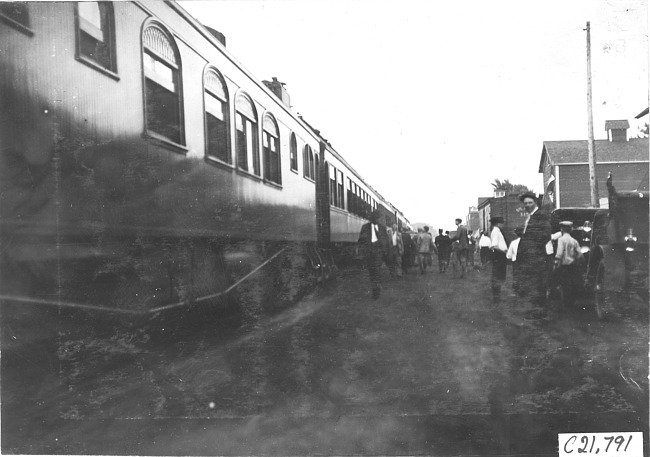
(642, 131)
(508, 187)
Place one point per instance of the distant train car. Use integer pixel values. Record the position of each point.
(143, 168)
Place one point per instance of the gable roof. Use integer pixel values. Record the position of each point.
(617, 125)
(482, 201)
(565, 152)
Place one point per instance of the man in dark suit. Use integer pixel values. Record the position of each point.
(373, 247)
(443, 244)
(461, 237)
(532, 251)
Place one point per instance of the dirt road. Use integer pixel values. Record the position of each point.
(429, 368)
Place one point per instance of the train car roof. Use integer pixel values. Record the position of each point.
(202, 29)
(213, 40)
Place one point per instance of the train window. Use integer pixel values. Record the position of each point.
(333, 189)
(348, 196)
(271, 146)
(216, 117)
(96, 34)
(336, 187)
(293, 147)
(339, 184)
(246, 142)
(162, 86)
(308, 162)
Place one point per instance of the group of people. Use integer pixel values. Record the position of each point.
(400, 251)
(530, 254)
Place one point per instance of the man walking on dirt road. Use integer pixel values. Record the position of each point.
(373, 247)
(461, 253)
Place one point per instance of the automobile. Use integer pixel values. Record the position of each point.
(618, 262)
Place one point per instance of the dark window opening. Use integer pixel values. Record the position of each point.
(216, 118)
(96, 33)
(271, 159)
(162, 86)
(271, 146)
(308, 160)
(294, 153)
(247, 144)
(246, 141)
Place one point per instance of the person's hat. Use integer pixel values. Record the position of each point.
(527, 195)
(568, 224)
(497, 220)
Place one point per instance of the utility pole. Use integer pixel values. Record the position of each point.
(593, 181)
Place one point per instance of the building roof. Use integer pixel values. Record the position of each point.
(576, 152)
(641, 114)
(622, 124)
(482, 201)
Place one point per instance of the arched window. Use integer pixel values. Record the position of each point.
(293, 147)
(308, 162)
(96, 34)
(314, 170)
(246, 142)
(216, 116)
(271, 145)
(162, 85)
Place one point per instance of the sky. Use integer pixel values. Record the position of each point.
(431, 101)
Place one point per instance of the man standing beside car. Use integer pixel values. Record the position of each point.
(567, 257)
(532, 253)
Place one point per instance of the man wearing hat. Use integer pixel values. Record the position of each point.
(373, 247)
(461, 253)
(499, 249)
(566, 261)
(531, 253)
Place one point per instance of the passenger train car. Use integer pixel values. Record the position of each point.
(144, 168)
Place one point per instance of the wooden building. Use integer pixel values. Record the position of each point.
(565, 167)
(508, 207)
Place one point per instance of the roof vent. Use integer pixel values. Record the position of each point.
(617, 130)
(278, 89)
(221, 38)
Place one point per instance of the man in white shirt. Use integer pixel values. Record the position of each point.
(484, 248)
(499, 248)
(567, 259)
(512, 256)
